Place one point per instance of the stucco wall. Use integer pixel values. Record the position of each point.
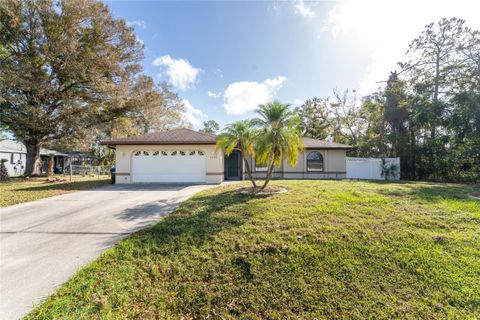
(123, 160)
(334, 162)
(277, 172)
(337, 161)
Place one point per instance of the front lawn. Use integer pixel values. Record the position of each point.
(323, 250)
(18, 190)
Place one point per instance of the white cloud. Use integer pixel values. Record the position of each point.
(302, 10)
(181, 74)
(298, 102)
(193, 115)
(137, 23)
(386, 28)
(214, 95)
(245, 96)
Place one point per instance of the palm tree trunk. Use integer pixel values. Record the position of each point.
(51, 165)
(249, 171)
(269, 175)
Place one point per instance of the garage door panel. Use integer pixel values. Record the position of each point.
(169, 168)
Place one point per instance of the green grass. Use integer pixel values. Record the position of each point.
(19, 190)
(323, 250)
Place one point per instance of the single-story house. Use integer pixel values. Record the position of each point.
(15, 153)
(188, 156)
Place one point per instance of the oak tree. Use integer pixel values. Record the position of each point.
(64, 66)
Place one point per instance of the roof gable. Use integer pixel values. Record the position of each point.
(12, 146)
(15, 146)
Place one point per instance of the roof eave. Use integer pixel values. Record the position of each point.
(142, 143)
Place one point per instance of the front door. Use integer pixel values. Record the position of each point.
(233, 166)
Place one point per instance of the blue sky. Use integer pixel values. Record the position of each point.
(224, 58)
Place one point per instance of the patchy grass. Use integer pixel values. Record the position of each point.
(19, 190)
(323, 250)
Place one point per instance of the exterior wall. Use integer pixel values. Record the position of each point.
(334, 163)
(124, 153)
(337, 161)
(277, 172)
(18, 166)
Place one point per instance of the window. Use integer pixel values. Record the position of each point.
(314, 161)
(200, 153)
(192, 153)
(164, 153)
(137, 153)
(260, 166)
(155, 153)
(145, 153)
(174, 153)
(182, 153)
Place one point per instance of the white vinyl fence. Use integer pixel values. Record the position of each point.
(373, 168)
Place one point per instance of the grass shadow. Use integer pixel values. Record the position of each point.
(197, 220)
(68, 186)
(433, 192)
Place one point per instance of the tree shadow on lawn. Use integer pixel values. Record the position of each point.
(68, 186)
(430, 192)
(197, 220)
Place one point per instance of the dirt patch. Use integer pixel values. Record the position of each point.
(267, 190)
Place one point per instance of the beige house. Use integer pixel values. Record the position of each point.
(187, 156)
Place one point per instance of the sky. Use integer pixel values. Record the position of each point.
(224, 58)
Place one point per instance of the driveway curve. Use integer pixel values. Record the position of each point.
(43, 243)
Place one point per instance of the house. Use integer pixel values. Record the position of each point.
(15, 153)
(187, 156)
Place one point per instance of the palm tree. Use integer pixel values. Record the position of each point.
(279, 136)
(239, 135)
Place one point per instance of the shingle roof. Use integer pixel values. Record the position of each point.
(322, 144)
(15, 146)
(175, 136)
(188, 136)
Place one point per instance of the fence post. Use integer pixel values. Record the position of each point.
(70, 170)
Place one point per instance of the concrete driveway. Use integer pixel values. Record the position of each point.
(43, 243)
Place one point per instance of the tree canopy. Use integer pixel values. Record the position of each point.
(67, 67)
(210, 126)
(428, 113)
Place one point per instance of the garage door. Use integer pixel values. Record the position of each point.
(168, 166)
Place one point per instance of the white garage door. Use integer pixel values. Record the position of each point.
(168, 166)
